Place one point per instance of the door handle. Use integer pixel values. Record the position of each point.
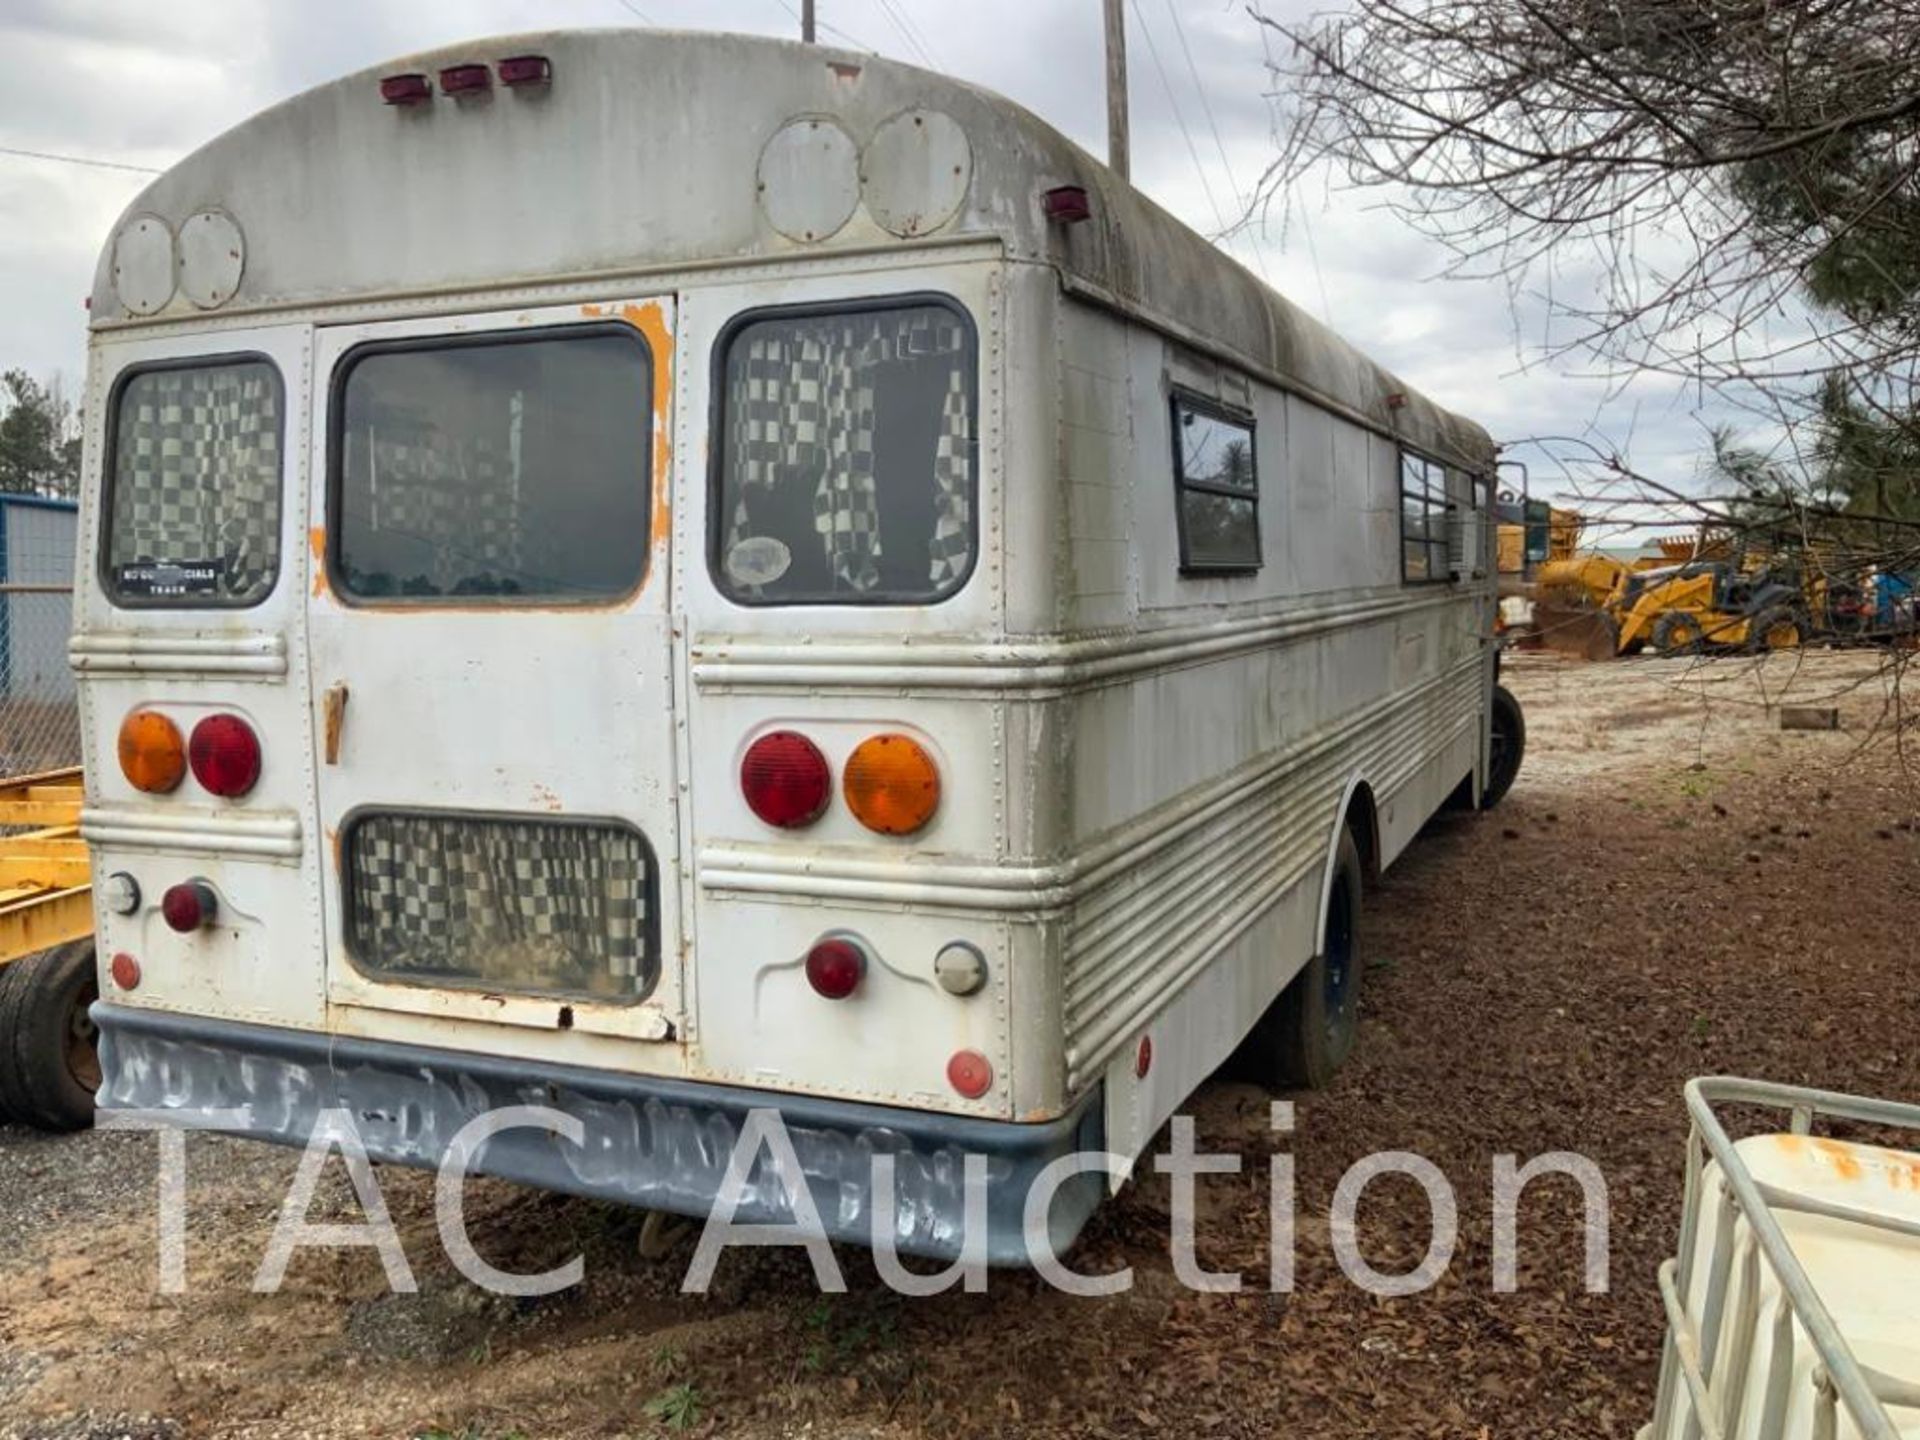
(335, 708)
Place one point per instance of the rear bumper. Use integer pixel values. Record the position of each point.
(657, 1144)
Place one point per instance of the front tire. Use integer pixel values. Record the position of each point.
(49, 1069)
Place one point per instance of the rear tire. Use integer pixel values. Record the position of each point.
(1778, 629)
(1678, 632)
(1507, 748)
(1308, 1033)
(49, 1068)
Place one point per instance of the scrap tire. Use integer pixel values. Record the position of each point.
(1508, 749)
(1678, 632)
(49, 1070)
(1309, 1031)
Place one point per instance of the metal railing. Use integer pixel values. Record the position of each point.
(1689, 1360)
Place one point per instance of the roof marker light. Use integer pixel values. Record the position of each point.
(519, 70)
(468, 79)
(406, 89)
(1067, 204)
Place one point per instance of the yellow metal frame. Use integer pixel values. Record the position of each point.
(46, 882)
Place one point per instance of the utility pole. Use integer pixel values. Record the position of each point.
(1117, 132)
(806, 22)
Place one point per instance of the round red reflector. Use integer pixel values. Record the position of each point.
(189, 905)
(1143, 1057)
(225, 755)
(835, 968)
(125, 971)
(785, 779)
(971, 1073)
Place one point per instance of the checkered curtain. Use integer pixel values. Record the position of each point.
(530, 906)
(459, 499)
(804, 397)
(197, 474)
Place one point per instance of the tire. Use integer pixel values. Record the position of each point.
(1508, 749)
(48, 1068)
(1776, 629)
(1308, 1033)
(1677, 632)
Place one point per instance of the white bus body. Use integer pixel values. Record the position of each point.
(480, 451)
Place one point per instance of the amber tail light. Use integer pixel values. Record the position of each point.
(152, 755)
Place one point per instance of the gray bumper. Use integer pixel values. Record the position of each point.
(657, 1144)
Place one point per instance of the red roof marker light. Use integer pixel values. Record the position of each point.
(406, 90)
(1067, 204)
(522, 70)
(465, 79)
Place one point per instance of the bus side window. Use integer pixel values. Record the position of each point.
(1424, 519)
(1217, 488)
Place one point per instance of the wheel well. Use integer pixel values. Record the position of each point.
(1364, 823)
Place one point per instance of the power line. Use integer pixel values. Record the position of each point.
(1206, 106)
(856, 43)
(636, 11)
(1306, 218)
(79, 160)
(1173, 104)
(919, 35)
(906, 34)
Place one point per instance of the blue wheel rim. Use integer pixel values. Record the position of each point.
(1337, 982)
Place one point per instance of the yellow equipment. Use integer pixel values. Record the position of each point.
(48, 982)
(1708, 606)
(1596, 606)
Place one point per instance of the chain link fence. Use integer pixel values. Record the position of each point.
(39, 724)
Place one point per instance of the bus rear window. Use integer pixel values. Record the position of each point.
(194, 514)
(495, 468)
(846, 468)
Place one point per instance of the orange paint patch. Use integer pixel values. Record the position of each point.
(1841, 1157)
(317, 542)
(651, 321)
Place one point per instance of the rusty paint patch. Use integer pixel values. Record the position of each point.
(651, 321)
(317, 543)
(1842, 1158)
(843, 71)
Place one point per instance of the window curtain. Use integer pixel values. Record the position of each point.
(459, 501)
(804, 397)
(197, 474)
(536, 907)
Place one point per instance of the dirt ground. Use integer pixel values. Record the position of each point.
(1674, 887)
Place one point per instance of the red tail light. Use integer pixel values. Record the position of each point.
(406, 90)
(785, 779)
(189, 905)
(225, 755)
(835, 967)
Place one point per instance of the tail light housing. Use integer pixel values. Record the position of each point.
(835, 966)
(970, 1073)
(152, 755)
(785, 780)
(225, 755)
(191, 905)
(892, 784)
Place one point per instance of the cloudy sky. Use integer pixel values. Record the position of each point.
(142, 84)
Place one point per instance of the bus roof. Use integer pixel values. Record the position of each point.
(645, 152)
